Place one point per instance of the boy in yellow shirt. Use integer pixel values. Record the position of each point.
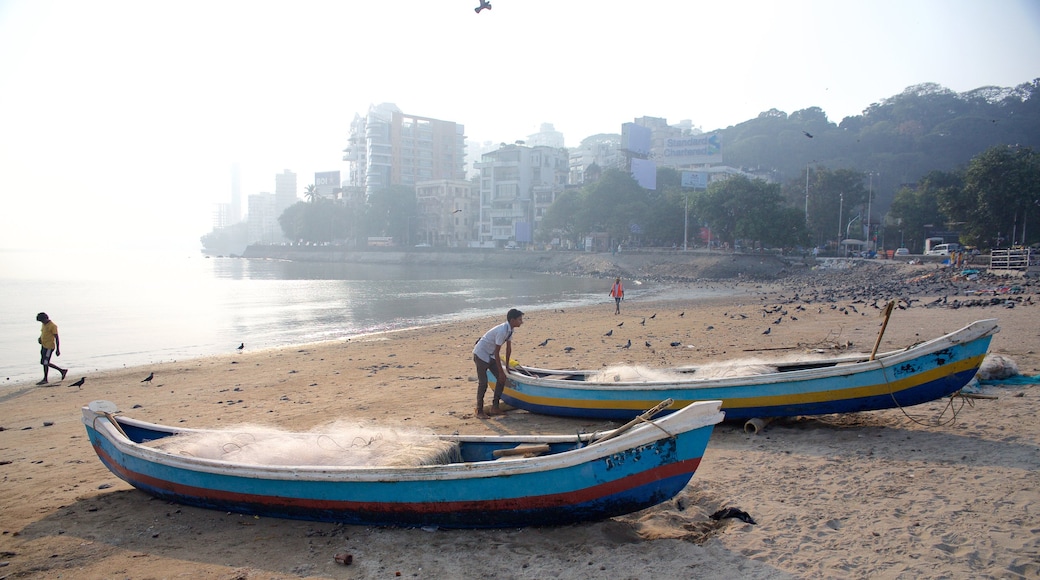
(49, 344)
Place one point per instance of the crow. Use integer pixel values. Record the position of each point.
(620, 324)
(676, 343)
(458, 210)
(647, 344)
(79, 383)
(149, 378)
(568, 348)
(681, 314)
(544, 342)
(484, 4)
(653, 316)
(241, 346)
(767, 331)
(609, 332)
(628, 344)
(807, 134)
(643, 322)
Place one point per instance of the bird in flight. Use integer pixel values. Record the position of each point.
(456, 211)
(807, 134)
(79, 383)
(483, 4)
(149, 378)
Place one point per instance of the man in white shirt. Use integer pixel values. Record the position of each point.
(486, 355)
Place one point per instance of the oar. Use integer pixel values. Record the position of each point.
(640, 419)
(888, 313)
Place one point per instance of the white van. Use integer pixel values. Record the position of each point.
(944, 249)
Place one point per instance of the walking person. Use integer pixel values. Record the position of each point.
(618, 292)
(487, 356)
(49, 344)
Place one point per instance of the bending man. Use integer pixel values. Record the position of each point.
(487, 356)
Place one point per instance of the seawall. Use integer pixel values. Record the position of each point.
(660, 265)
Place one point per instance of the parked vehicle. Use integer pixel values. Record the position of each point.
(902, 252)
(944, 249)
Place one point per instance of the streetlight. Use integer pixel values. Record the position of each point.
(841, 205)
(847, 226)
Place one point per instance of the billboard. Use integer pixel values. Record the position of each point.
(644, 172)
(326, 183)
(635, 139)
(694, 179)
(694, 150)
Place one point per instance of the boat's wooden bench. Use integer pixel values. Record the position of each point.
(521, 451)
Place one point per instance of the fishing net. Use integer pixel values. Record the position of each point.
(339, 444)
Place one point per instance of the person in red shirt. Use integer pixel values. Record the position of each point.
(618, 292)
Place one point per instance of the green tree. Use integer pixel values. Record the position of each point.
(1000, 196)
(614, 204)
(392, 211)
(835, 197)
(311, 193)
(739, 208)
(914, 209)
(320, 222)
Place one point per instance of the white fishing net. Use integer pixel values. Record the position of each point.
(641, 374)
(338, 444)
(996, 367)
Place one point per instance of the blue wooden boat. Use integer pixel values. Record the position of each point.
(496, 481)
(902, 378)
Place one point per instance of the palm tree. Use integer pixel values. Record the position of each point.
(311, 193)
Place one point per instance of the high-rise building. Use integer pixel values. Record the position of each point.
(262, 220)
(234, 212)
(388, 147)
(285, 192)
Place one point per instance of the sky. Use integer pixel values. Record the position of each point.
(120, 121)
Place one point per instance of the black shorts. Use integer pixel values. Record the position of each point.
(45, 355)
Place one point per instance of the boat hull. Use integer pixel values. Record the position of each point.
(575, 482)
(916, 375)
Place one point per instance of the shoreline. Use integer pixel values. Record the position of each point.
(838, 496)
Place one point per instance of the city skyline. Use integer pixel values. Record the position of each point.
(129, 116)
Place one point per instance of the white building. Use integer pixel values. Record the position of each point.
(388, 147)
(448, 210)
(517, 184)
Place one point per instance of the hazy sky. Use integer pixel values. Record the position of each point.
(119, 121)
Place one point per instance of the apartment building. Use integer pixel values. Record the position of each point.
(448, 210)
(388, 147)
(517, 185)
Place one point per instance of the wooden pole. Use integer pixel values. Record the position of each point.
(640, 419)
(888, 314)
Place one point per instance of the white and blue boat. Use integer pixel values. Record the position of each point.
(488, 481)
(814, 386)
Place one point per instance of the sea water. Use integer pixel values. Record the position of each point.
(138, 308)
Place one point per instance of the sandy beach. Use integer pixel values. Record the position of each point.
(934, 491)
